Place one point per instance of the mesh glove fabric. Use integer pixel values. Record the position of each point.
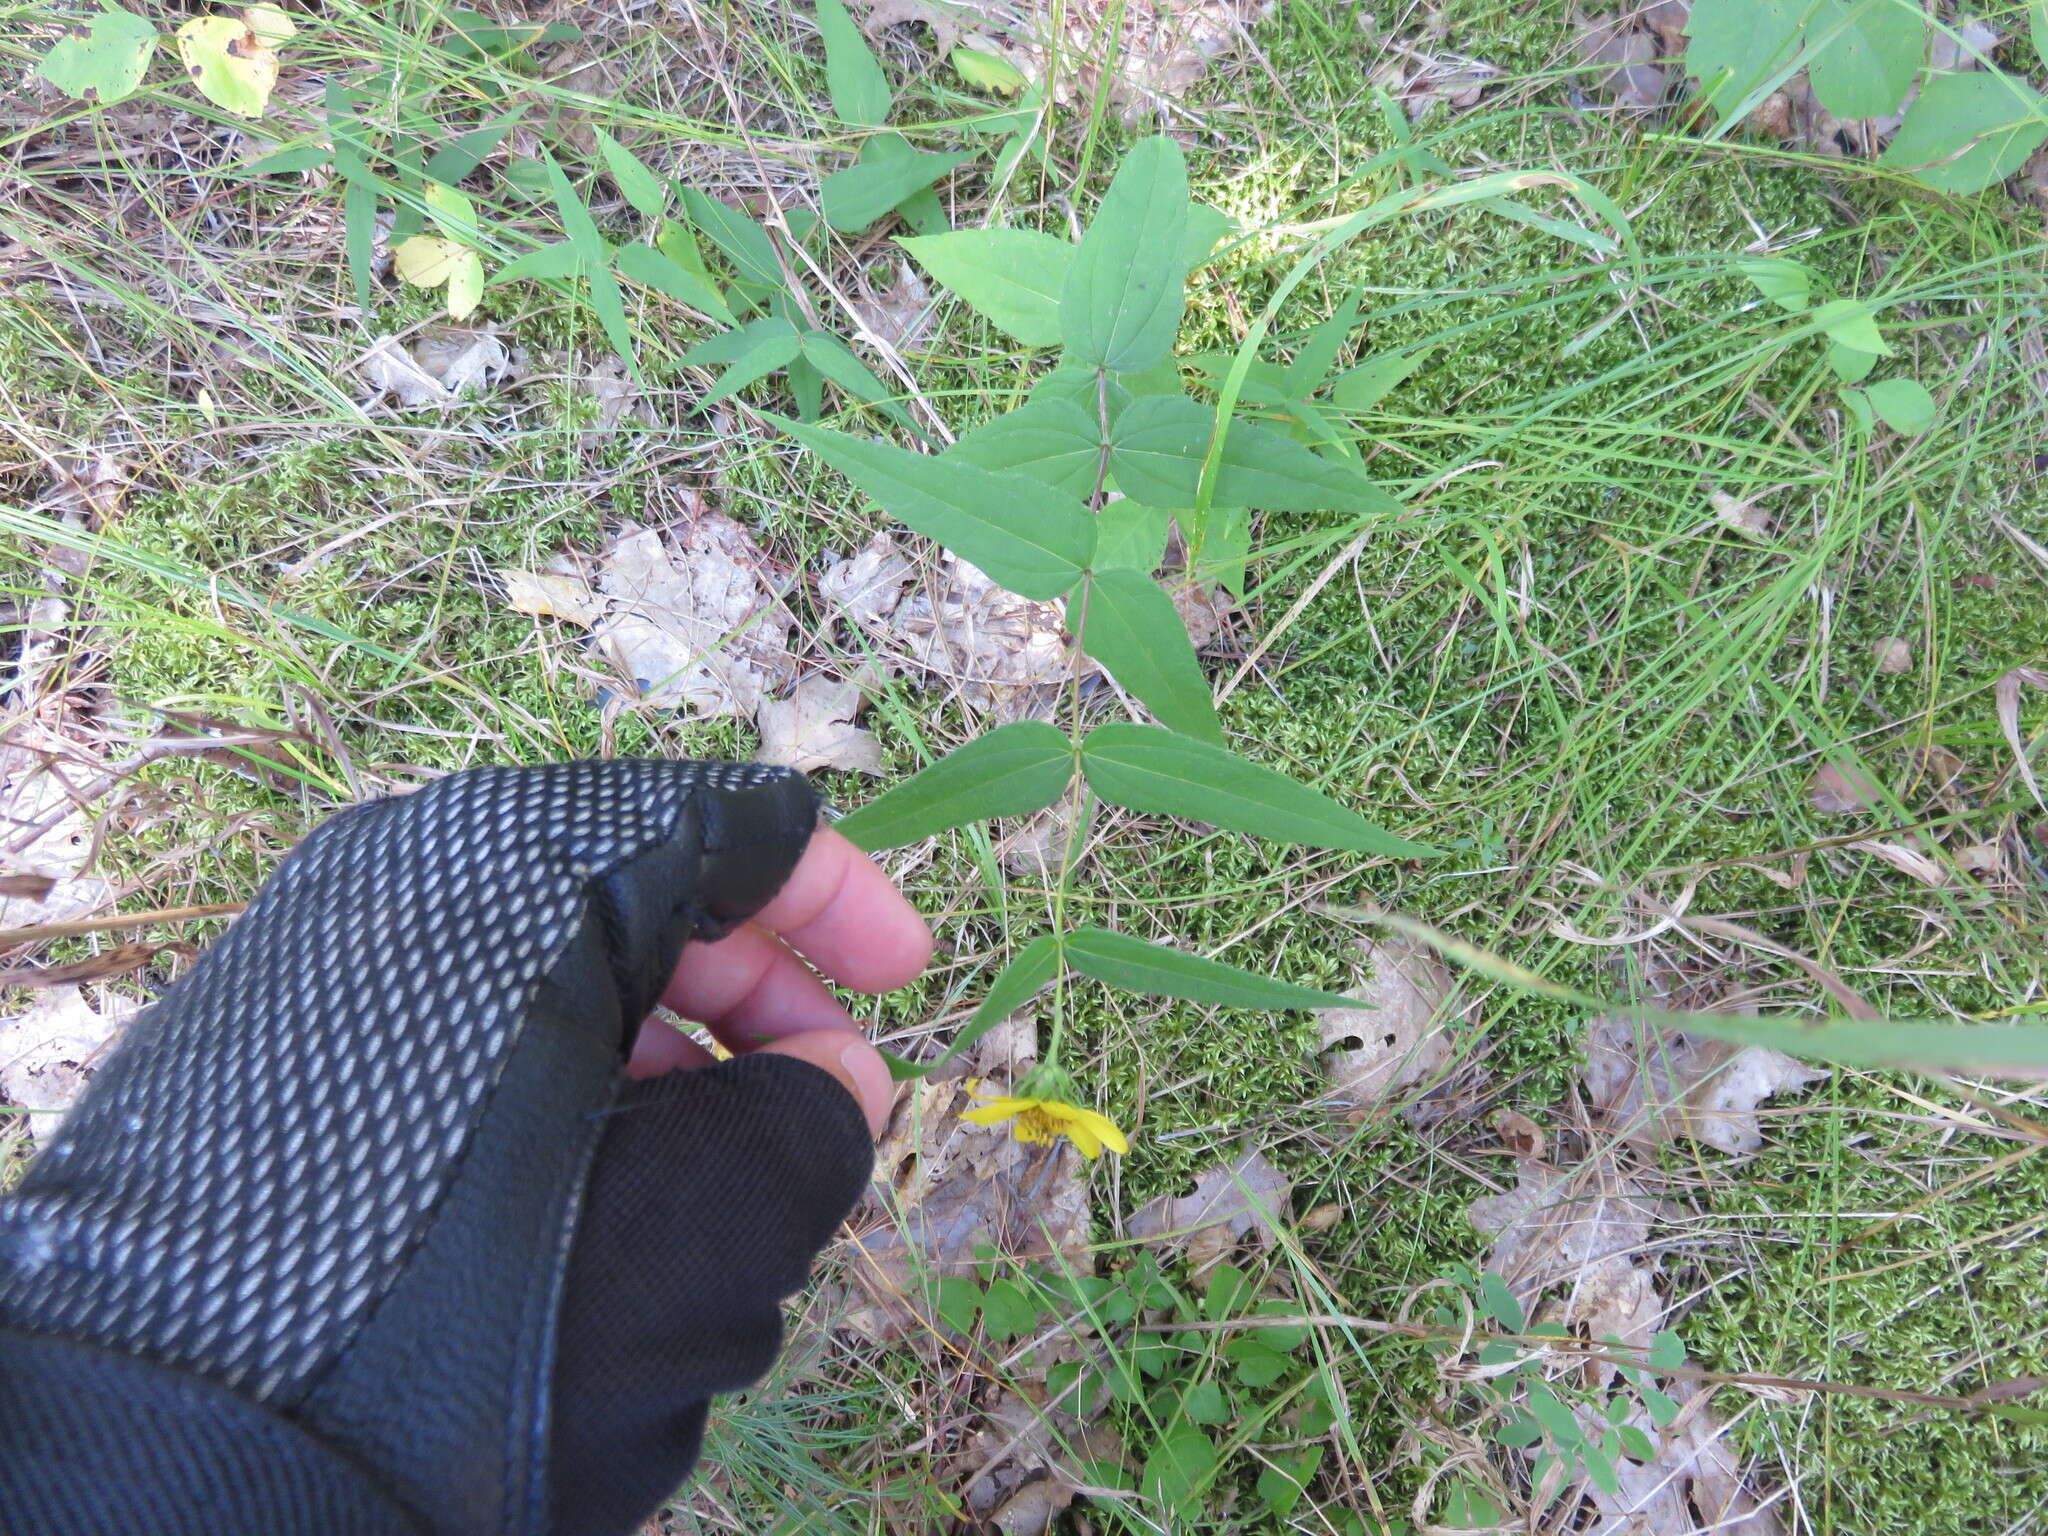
(361, 1229)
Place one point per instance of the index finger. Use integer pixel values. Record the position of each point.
(841, 913)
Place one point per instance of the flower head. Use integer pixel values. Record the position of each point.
(1042, 1110)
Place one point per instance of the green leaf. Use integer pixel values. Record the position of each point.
(832, 358)
(233, 60)
(1853, 324)
(1157, 447)
(460, 156)
(1312, 361)
(1051, 440)
(958, 1300)
(1850, 365)
(1121, 305)
(854, 198)
(1204, 1403)
(1519, 1432)
(657, 270)
(1661, 1409)
(1786, 283)
(1010, 277)
(1857, 404)
(103, 61)
(1131, 535)
(1258, 1365)
(1006, 1311)
(1967, 131)
(1501, 1305)
(1556, 1419)
(768, 353)
(1229, 1289)
(1013, 770)
(283, 162)
(1027, 536)
(1129, 625)
(854, 81)
(1667, 1350)
(1179, 1468)
(1148, 769)
(1132, 965)
(1282, 1484)
(452, 212)
(731, 346)
(1600, 1469)
(1735, 46)
(1015, 985)
(641, 187)
(1863, 54)
(1364, 386)
(2037, 26)
(582, 233)
(1206, 229)
(1902, 404)
(986, 72)
(745, 244)
(1638, 1445)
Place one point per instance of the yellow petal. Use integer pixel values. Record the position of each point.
(996, 1111)
(1083, 1138)
(1103, 1129)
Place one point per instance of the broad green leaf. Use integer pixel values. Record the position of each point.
(854, 198)
(451, 211)
(1852, 324)
(745, 244)
(233, 59)
(1555, 1418)
(283, 162)
(854, 81)
(986, 72)
(958, 1299)
(1053, 441)
(1857, 404)
(1317, 355)
(678, 242)
(641, 187)
(1027, 536)
(1148, 769)
(465, 285)
(103, 61)
(1282, 1483)
(1863, 54)
(1667, 1350)
(1157, 447)
(1129, 625)
(1600, 1469)
(541, 264)
(1904, 405)
(2037, 25)
(1207, 228)
(1204, 1403)
(1006, 1312)
(1230, 1291)
(582, 233)
(1850, 365)
(1012, 771)
(1100, 396)
(1785, 283)
(1364, 386)
(1735, 46)
(1132, 965)
(1264, 383)
(807, 388)
(657, 270)
(1121, 305)
(1010, 277)
(1178, 1470)
(1131, 535)
(1019, 981)
(1501, 1304)
(1258, 1363)
(731, 346)
(461, 156)
(1966, 131)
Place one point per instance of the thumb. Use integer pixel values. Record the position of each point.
(858, 1066)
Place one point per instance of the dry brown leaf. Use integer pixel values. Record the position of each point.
(1021, 1466)
(1657, 1085)
(1743, 516)
(1983, 859)
(558, 590)
(27, 887)
(1045, 842)
(900, 315)
(116, 960)
(442, 367)
(1694, 1487)
(49, 1053)
(865, 588)
(1891, 656)
(813, 728)
(1552, 1225)
(2006, 693)
(1522, 1136)
(1246, 1198)
(691, 620)
(617, 397)
(1839, 790)
(1666, 20)
(1165, 48)
(1399, 1035)
(945, 1188)
(1907, 861)
(1626, 50)
(48, 835)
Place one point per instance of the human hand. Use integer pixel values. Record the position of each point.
(753, 990)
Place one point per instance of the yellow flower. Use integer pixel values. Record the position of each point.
(1041, 1112)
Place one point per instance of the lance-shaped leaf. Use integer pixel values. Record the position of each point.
(1012, 771)
(1132, 965)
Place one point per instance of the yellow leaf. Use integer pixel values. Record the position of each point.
(427, 261)
(452, 210)
(230, 58)
(465, 284)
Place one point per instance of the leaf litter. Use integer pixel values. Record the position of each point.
(50, 1052)
(1397, 1039)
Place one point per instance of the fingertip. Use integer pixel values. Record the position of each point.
(857, 1065)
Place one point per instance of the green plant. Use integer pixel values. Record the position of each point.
(1962, 132)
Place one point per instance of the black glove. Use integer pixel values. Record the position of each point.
(361, 1230)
